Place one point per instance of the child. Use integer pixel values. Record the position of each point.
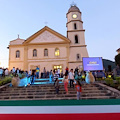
(57, 86)
(79, 90)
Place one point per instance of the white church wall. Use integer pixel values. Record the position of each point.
(16, 65)
(74, 65)
(51, 52)
(77, 50)
(13, 53)
(46, 37)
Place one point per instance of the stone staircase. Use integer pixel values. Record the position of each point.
(47, 92)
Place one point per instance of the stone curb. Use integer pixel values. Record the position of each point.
(110, 89)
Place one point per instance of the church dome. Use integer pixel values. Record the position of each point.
(73, 8)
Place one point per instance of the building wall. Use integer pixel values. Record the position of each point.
(81, 38)
(77, 50)
(17, 42)
(51, 52)
(17, 64)
(47, 64)
(67, 54)
(13, 61)
(40, 60)
(46, 37)
(74, 65)
(47, 61)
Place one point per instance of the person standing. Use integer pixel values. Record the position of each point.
(1, 72)
(57, 86)
(17, 71)
(37, 72)
(59, 72)
(66, 70)
(44, 73)
(56, 76)
(13, 70)
(6, 72)
(50, 76)
(76, 71)
(33, 77)
(29, 73)
(71, 78)
(65, 80)
(79, 90)
(61, 75)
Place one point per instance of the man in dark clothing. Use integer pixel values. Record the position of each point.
(57, 86)
(33, 77)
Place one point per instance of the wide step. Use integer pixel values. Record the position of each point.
(47, 92)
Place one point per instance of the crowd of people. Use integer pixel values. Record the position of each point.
(71, 77)
(53, 76)
(3, 72)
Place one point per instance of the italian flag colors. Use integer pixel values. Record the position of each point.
(60, 110)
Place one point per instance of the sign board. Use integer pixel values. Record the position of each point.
(92, 63)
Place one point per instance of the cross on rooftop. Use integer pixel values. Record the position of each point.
(18, 35)
(46, 23)
(73, 4)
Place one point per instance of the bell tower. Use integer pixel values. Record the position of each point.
(75, 34)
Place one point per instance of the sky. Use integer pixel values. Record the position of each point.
(101, 21)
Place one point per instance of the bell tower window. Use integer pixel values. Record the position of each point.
(75, 26)
(76, 39)
(78, 57)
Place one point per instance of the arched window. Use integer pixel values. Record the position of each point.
(78, 57)
(57, 52)
(75, 26)
(34, 53)
(17, 54)
(45, 52)
(76, 39)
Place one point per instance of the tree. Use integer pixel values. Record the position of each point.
(117, 60)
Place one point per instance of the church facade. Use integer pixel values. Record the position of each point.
(48, 48)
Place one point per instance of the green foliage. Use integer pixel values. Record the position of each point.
(20, 76)
(11, 75)
(117, 59)
(108, 62)
(23, 75)
(117, 78)
(109, 81)
(100, 79)
(5, 81)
